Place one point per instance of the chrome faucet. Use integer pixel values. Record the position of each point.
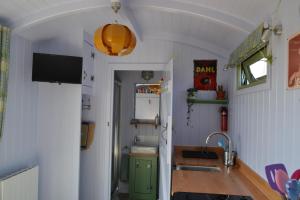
(228, 155)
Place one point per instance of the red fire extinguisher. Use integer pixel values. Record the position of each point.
(224, 119)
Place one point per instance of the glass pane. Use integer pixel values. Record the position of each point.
(253, 70)
(259, 68)
(244, 80)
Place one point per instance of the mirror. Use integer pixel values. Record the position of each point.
(147, 101)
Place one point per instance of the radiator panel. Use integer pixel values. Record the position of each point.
(20, 186)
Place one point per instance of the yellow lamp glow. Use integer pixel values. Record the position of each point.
(114, 40)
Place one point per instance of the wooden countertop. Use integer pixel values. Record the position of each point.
(228, 181)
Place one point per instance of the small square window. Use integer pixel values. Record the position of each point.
(253, 71)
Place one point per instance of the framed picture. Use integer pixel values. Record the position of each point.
(205, 74)
(294, 62)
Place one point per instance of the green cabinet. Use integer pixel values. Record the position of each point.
(143, 177)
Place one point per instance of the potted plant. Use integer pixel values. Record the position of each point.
(191, 93)
(220, 93)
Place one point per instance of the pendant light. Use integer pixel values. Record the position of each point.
(114, 39)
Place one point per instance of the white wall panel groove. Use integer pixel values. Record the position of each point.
(18, 145)
(264, 124)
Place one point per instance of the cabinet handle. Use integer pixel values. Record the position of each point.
(149, 188)
(92, 78)
(92, 55)
(148, 166)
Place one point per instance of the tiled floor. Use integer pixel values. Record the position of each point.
(120, 196)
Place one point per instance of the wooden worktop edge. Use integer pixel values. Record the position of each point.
(258, 181)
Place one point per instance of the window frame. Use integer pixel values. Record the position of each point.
(258, 55)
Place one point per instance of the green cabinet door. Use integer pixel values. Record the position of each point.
(143, 178)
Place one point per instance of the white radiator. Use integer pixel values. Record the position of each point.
(22, 185)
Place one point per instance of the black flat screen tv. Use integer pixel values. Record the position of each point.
(56, 68)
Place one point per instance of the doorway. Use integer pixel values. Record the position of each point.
(166, 141)
(124, 132)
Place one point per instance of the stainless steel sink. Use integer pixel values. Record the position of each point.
(198, 168)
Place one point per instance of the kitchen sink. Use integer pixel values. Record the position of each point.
(198, 168)
(143, 149)
(204, 154)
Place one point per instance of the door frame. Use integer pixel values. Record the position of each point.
(121, 67)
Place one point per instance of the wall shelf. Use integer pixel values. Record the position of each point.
(207, 101)
(143, 121)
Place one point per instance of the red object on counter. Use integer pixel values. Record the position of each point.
(224, 119)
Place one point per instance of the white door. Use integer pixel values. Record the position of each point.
(165, 146)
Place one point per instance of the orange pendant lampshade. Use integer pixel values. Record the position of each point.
(114, 40)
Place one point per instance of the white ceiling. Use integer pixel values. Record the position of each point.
(217, 25)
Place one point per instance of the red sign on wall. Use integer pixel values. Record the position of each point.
(205, 74)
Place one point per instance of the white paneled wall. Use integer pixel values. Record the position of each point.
(18, 145)
(58, 128)
(265, 124)
(88, 160)
(148, 51)
(204, 118)
(58, 132)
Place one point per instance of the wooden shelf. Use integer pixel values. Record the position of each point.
(207, 101)
(143, 121)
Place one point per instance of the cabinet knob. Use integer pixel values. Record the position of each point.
(148, 166)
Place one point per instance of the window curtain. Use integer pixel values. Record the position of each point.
(4, 66)
(251, 45)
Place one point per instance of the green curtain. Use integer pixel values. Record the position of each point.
(248, 47)
(4, 65)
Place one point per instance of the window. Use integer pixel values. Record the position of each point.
(253, 70)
